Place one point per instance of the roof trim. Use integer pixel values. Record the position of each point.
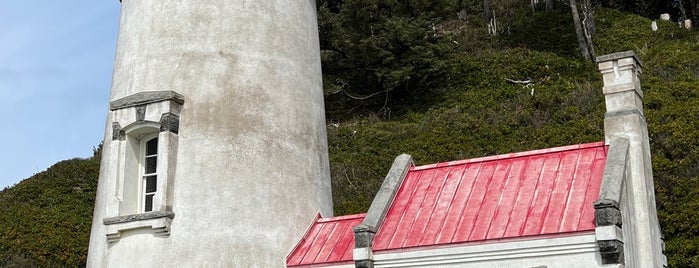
(305, 233)
(387, 192)
(512, 155)
(614, 170)
(489, 241)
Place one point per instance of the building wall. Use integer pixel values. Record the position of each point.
(251, 167)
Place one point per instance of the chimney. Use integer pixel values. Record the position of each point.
(624, 121)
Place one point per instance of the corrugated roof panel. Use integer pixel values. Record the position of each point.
(560, 193)
(587, 217)
(474, 202)
(508, 199)
(529, 181)
(442, 205)
(577, 193)
(492, 196)
(390, 224)
(458, 203)
(532, 193)
(542, 195)
(404, 227)
(522, 194)
(327, 241)
(427, 208)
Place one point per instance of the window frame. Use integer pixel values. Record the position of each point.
(137, 119)
(144, 175)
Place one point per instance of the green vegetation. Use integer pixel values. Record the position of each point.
(406, 77)
(473, 111)
(45, 220)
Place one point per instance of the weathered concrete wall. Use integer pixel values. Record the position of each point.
(624, 119)
(252, 164)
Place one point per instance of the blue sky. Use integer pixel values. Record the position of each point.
(56, 62)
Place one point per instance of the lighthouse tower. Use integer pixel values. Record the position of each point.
(215, 151)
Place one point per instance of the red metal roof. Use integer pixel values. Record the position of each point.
(539, 192)
(328, 241)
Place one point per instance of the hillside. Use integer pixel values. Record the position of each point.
(45, 220)
(424, 82)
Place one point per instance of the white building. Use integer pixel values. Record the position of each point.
(215, 155)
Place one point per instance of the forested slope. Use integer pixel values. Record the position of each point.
(429, 79)
(465, 106)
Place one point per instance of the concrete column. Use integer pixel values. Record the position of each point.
(624, 118)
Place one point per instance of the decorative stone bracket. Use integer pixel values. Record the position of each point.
(161, 107)
(608, 232)
(157, 221)
(363, 239)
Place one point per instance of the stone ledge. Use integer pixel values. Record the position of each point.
(619, 55)
(143, 98)
(156, 223)
(138, 217)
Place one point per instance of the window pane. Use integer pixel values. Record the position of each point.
(149, 203)
(151, 164)
(152, 146)
(151, 182)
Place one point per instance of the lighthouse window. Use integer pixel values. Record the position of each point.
(150, 176)
(144, 142)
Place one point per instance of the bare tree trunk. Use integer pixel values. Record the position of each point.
(487, 12)
(549, 5)
(589, 17)
(579, 31)
(590, 28)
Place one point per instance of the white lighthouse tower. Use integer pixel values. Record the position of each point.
(215, 151)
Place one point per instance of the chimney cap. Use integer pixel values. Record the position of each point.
(619, 55)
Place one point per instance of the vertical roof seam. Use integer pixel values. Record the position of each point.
(331, 234)
(439, 193)
(468, 199)
(534, 194)
(502, 193)
(520, 182)
(485, 196)
(570, 190)
(402, 212)
(419, 207)
(309, 246)
(449, 206)
(548, 196)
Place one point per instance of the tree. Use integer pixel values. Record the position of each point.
(585, 28)
(378, 51)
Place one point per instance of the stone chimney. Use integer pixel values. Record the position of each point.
(625, 125)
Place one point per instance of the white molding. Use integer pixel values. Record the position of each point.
(611, 232)
(515, 253)
(362, 254)
(159, 226)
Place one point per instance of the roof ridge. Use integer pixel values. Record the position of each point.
(512, 155)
